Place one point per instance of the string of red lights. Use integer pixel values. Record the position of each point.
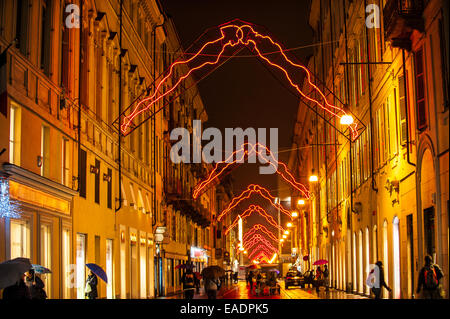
(246, 150)
(242, 35)
(250, 210)
(253, 189)
(256, 239)
(259, 227)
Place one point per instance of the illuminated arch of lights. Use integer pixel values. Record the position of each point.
(246, 150)
(258, 238)
(262, 256)
(250, 210)
(262, 228)
(233, 35)
(261, 248)
(253, 189)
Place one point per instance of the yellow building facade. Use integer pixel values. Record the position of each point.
(384, 196)
(82, 197)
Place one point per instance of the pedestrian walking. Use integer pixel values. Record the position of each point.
(35, 285)
(326, 275)
(188, 284)
(18, 291)
(235, 277)
(429, 277)
(91, 286)
(319, 278)
(211, 287)
(258, 284)
(250, 280)
(382, 283)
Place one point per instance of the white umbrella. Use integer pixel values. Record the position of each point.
(12, 270)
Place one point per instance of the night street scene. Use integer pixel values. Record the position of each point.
(180, 151)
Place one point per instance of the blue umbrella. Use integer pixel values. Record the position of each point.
(97, 270)
(41, 269)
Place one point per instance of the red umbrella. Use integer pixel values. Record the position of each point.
(320, 262)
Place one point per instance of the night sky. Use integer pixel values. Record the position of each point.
(242, 93)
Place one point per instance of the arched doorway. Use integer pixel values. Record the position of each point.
(385, 256)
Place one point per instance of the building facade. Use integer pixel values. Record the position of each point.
(383, 196)
(85, 194)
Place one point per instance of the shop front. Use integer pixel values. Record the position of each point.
(199, 258)
(39, 226)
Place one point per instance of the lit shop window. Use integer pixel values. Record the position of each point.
(20, 239)
(46, 256)
(81, 262)
(14, 134)
(67, 270)
(109, 269)
(396, 251)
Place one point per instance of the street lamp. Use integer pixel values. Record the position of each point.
(301, 202)
(313, 177)
(286, 232)
(346, 119)
(294, 214)
(284, 236)
(281, 240)
(289, 224)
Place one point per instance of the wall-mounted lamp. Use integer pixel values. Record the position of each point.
(94, 169)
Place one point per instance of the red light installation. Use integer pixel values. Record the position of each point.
(233, 35)
(263, 248)
(262, 256)
(258, 238)
(250, 210)
(248, 149)
(253, 189)
(262, 228)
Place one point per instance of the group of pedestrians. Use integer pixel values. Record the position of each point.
(191, 284)
(31, 286)
(428, 286)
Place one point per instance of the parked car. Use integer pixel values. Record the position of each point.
(294, 278)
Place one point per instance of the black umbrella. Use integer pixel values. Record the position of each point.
(213, 272)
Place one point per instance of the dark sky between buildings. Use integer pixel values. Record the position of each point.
(242, 93)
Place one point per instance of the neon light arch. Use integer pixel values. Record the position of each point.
(253, 189)
(233, 35)
(260, 248)
(248, 149)
(257, 239)
(250, 210)
(262, 228)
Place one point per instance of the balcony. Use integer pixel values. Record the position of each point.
(401, 18)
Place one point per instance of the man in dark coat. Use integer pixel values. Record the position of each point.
(18, 291)
(429, 277)
(91, 286)
(188, 281)
(377, 290)
(35, 285)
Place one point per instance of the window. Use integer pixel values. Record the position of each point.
(65, 178)
(109, 269)
(402, 101)
(97, 182)
(45, 151)
(420, 90)
(22, 23)
(46, 24)
(66, 55)
(109, 196)
(66, 264)
(143, 266)
(14, 134)
(46, 256)
(396, 251)
(81, 264)
(82, 173)
(20, 235)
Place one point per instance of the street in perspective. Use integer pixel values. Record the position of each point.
(198, 150)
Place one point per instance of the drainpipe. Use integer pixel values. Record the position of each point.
(79, 95)
(369, 79)
(350, 157)
(153, 121)
(406, 108)
(120, 108)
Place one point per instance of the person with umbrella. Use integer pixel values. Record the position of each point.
(12, 279)
(377, 290)
(17, 291)
(326, 275)
(91, 286)
(188, 281)
(211, 286)
(35, 285)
